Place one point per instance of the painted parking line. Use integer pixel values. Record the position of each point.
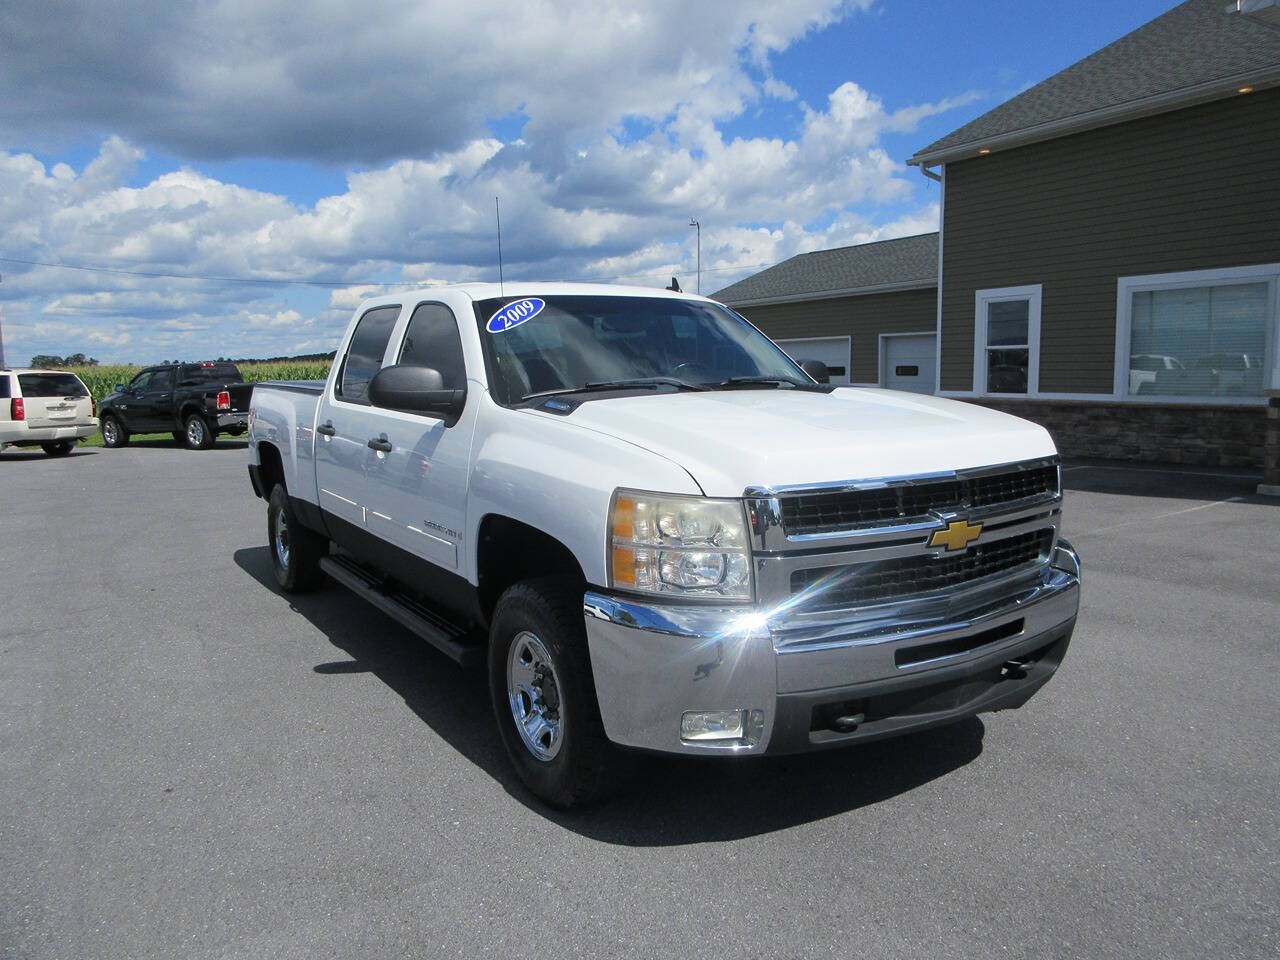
(1159, 516)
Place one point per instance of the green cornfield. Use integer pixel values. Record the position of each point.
(101, 380)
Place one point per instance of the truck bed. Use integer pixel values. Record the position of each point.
(315, 387)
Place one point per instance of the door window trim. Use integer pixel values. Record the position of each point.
(457, 326)
(982, 299)
(340, 365)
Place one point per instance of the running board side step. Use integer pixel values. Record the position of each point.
(403, 609)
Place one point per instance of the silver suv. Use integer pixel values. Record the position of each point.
(51, 409)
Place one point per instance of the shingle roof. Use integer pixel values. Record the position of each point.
(885, 264)
(1196, 51)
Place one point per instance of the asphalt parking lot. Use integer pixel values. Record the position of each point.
(193, 765)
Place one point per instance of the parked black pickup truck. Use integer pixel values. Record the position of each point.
(193, 401)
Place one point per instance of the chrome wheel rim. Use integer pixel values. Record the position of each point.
(533, 692)
(109, 431)
(280, 539)
(195, 432)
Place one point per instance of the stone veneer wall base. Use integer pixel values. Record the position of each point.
(1242, 437)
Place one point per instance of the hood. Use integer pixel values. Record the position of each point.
(729, 440)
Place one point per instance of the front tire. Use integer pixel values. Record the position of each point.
(544, 695)
(114, 433)
(295, 550)
(59, 448)
(199, 435)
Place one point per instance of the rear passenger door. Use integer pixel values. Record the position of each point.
(344, 421)
(417, 489)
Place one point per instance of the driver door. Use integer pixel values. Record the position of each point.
(155, 404)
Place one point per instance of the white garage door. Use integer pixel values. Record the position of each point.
(833, 351)
(910, 362)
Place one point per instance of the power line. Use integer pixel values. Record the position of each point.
(192, 276)
(331, 283)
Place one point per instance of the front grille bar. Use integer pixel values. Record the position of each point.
(875, 582)
(893, 505)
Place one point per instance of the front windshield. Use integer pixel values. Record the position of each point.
(575, 341)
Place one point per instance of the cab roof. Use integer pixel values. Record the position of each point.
(525, 288)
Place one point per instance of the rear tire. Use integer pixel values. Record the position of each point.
(295, 550)
(59, 448)
(114, 433)
(197, 433)
(540, 672)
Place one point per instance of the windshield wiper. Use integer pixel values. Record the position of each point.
(766, 382)
(593, 386)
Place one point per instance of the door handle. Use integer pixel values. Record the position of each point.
(380, 443)
(326, 429)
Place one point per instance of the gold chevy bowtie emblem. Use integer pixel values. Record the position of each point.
(956, 535)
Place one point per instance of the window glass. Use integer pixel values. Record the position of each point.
(162, 380)
(141, 381)
(432, 340)
(364, 356)
(1199, 341)
(51, 385)
(577, 340)
(1008, 354)
(1008, 322)
(212, 373)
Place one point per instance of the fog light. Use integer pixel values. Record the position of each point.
(742, 726)
(712, 725)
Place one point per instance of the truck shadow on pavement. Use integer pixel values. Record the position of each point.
(1165, 481)
(665, 801)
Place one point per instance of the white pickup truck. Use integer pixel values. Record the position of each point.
(658, 532)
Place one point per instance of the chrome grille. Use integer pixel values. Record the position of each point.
(827, 511)
(880, 581)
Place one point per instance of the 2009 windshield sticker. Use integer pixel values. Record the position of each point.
(514, 314)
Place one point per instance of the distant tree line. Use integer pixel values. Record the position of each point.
(51, 360)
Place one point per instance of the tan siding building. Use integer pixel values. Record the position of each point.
(1111, 245)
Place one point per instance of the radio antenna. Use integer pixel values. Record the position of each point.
(497, 215)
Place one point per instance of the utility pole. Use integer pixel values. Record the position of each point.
(697, 226)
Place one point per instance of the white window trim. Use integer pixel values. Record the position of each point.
(1127, 286)
(981, 299)
(882, 370)
(848, 353)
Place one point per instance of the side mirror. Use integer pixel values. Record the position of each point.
(417, 390)
(816, 369)
(119, 388)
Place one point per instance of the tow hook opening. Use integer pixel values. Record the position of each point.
(1014, 669)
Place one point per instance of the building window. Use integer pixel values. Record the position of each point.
(1006, 355)
(1207, 334)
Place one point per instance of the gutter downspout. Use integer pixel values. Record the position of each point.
(936, 178)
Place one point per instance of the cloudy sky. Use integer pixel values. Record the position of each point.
(238, 174)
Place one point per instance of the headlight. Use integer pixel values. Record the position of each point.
(680, 546)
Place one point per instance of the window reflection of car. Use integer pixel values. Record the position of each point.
(1226, 373)
(1144, 368)
(1007, 378)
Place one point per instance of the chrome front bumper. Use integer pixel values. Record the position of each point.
(653, 662)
